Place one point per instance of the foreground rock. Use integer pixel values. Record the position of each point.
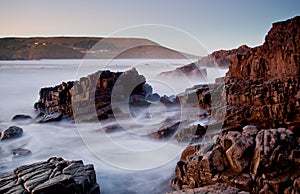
(259, 144)
(52, 176)
(211, 189)
(252, 161)
(11, 132)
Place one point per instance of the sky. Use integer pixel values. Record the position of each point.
(186, 25)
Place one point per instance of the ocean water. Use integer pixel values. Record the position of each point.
(125, 161)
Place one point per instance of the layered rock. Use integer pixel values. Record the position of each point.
(252, 161)
(262, 85)
(90, 98)
(52, 176)
(262, 89)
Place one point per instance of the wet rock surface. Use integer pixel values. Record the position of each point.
(52, 176)
(11, 132)
(258, 147)
(22, 119)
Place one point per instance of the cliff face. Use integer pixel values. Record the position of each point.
(277, 57)
(262, 89)
(262, 84)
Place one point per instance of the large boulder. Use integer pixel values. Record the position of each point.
(52, 176)
(11, 132)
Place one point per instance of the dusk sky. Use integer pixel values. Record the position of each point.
(217, 24)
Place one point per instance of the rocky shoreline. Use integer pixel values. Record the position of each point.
(256, 149)
(262, 89)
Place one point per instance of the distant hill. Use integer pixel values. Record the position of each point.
(154, 51)
(82, 47)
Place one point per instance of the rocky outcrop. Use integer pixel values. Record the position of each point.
(52, 176)
(191, 71)
(262, 85)
(222, 58)
(197, 69)
(203, 102)
(90, 98)
(264, 161)
(262, 89)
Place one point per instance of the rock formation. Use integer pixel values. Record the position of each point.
(262, 89)
(90, 98)
(11, 132)
(52, 176)
(197, 69)
(262, 85)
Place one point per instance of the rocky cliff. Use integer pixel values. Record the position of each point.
(262, 89)
(262, 84)
(90, 97)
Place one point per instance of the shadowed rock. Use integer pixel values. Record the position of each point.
(11, 132)
(52, 176)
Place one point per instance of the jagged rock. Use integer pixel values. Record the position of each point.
(272, 151)
(211, 189)
(262, 85)
(236, 145)
(89, 99)
(11, 132)
(53, 176)
(219, 58)
(262, 89)
(269, 155)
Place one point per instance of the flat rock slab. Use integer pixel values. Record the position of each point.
(55, 175)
